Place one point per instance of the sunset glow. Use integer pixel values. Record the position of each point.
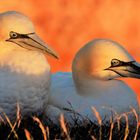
(67, 25)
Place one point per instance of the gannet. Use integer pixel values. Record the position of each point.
(94, 83)
(24, 71)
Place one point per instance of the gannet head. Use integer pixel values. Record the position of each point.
(104, 59)
(17, 32)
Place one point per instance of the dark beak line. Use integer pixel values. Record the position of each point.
(42, 46)
(116, 72)
(14, 42)
(28, 37)
(38, 47)
(135, 67)
(131, 64)
(126, 64)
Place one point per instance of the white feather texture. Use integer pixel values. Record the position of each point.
(24, 71)
(91, 85)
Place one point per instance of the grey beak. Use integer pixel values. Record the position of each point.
(32, 42)
(133, 69)
(126, 69)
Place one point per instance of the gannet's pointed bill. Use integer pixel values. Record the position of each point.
(32, 42)
(125, 69)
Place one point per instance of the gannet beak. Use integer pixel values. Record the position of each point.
(126, 69)
(32, 42)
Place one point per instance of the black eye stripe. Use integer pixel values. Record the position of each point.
(117, 63)
(15, 35)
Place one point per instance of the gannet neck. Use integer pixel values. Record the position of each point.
(22, 60)
(96, 88)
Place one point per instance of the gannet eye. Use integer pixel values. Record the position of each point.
(115, 62)
(13, 35)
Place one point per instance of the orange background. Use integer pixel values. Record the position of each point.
(67, 25)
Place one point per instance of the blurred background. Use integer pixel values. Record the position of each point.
(67, 25)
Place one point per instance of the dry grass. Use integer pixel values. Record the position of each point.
(63, 126)
(97, 115)
(111, 128)
(28, 135)
(41, 127)
(34, 129)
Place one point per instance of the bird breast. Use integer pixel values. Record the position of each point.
(25, 79)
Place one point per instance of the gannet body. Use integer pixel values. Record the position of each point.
(24, 71)
(93, 83)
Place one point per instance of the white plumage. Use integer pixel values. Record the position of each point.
(93, 82)
(24, 71)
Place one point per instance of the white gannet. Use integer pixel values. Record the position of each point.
(93, 83)
(24, 71)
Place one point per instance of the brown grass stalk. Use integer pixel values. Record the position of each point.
(48, 132)
(41, 127)
(118, 124)
(111, 128)
(63, 126)
(127, 125)
(137, 119)
(116, 117)
(97, 115)
(17, 122)
(93, 138)
(28, 135)
(18, 115)
(2, 120)
(11, 126)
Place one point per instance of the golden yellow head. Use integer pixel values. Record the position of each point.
(104, 59)
(17, 31)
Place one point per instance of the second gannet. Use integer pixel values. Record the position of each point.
(24, 71)
(93, 83)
